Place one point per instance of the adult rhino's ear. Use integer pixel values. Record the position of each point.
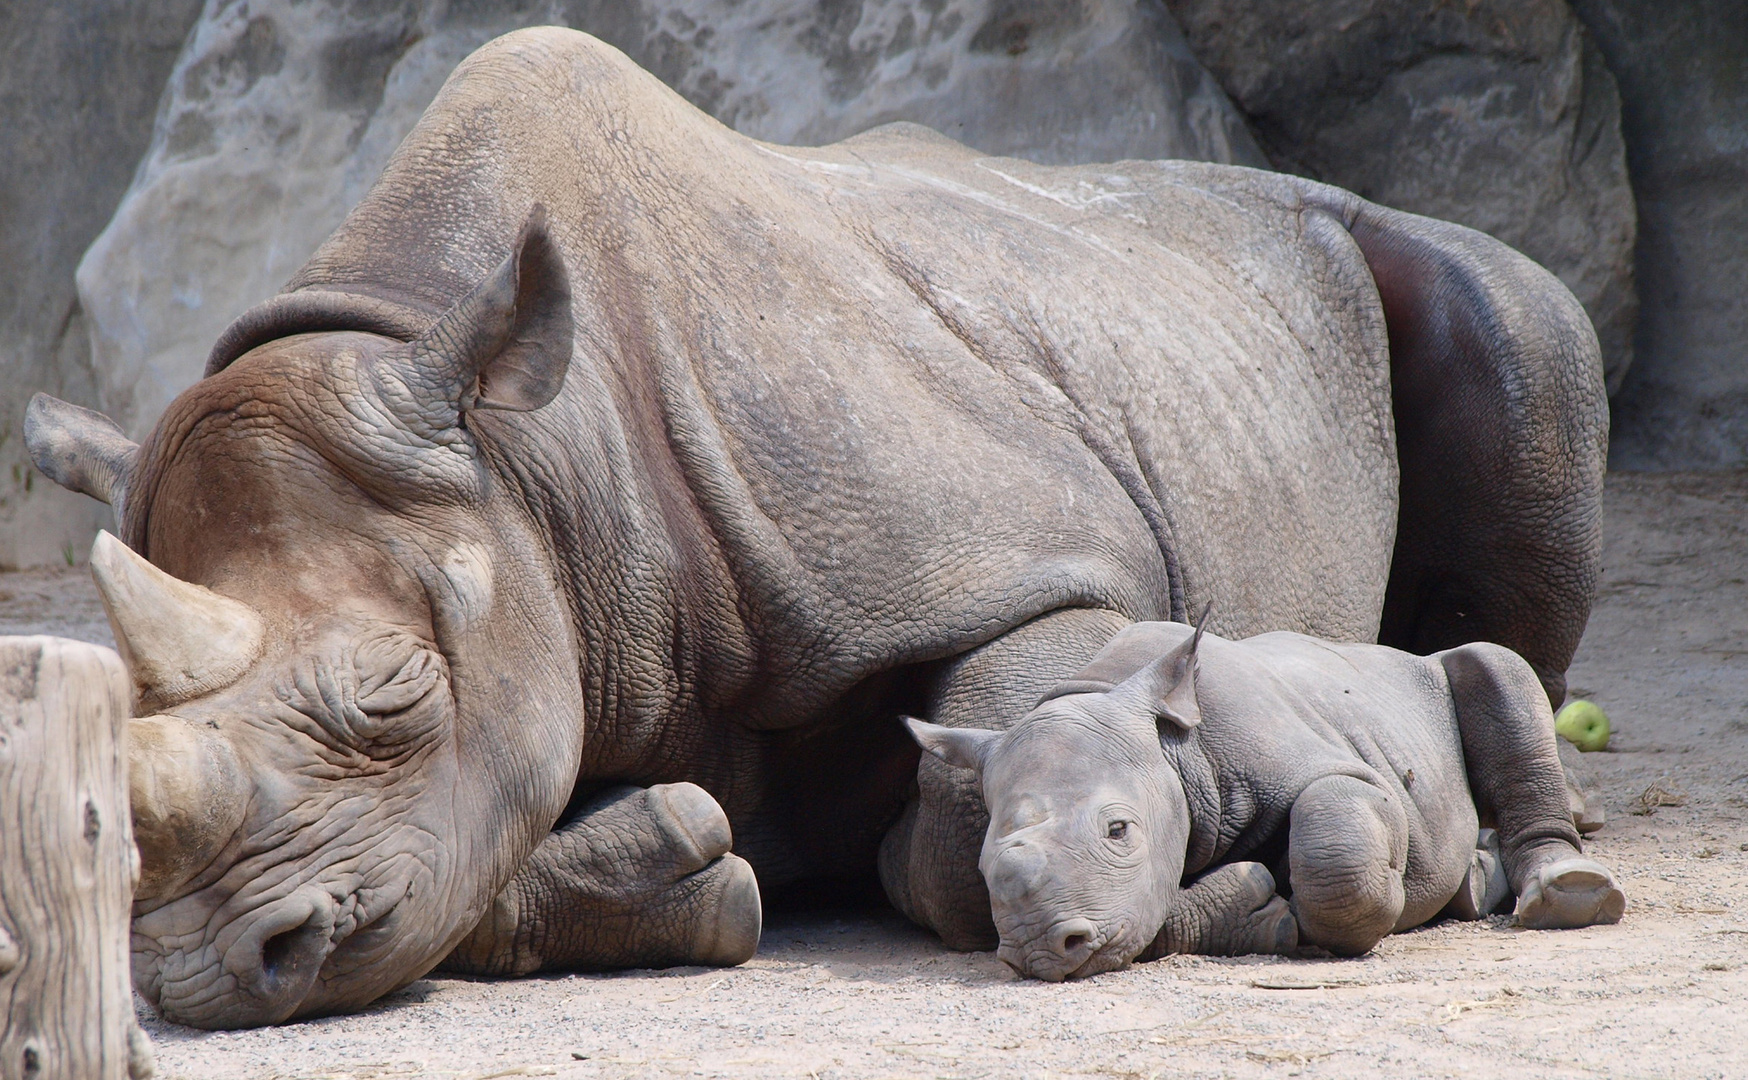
(506, 345)
(80, 450)
(1167, 686)
(965, 748)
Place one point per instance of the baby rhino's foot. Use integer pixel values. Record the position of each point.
(1485, 888)
(1229, 911)
(1571, 892)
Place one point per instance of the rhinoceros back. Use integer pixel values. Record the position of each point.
(879, 402)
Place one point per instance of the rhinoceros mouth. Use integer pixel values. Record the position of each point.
(1036, 957)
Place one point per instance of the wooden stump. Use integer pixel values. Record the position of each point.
(67, 864)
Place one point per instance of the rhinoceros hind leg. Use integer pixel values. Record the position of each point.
(1515, 774)
(642, 878)
(1570, 893)
(1229, 911)
(1583, 793)
(1502, 437)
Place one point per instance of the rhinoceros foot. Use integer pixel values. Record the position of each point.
(1230, 911)
(732, 937)
(1570, 893)
(1486, 888)
(641, 878)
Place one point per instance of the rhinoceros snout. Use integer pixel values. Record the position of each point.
(1058, 953)
(274, 962)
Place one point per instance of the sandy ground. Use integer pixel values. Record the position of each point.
(1663, 994)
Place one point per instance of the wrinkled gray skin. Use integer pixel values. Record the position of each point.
(1348, 778)
(547, 553)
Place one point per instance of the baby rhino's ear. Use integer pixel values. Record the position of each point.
(963, 747)
(1167, 687)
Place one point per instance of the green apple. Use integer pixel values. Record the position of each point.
(1583, 724)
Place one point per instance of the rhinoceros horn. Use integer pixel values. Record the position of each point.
(179, 640)
(189, 796)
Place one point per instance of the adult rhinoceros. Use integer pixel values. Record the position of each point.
(603, 452)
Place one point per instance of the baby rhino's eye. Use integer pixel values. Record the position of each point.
(1117, 830)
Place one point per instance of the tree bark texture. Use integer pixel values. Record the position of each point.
(67, 864)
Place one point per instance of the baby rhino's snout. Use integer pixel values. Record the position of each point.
(1066, 948)
(1034, 940)
(1059, 952)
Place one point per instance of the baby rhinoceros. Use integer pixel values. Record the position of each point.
(1309, 792)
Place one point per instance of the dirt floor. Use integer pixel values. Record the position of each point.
(1663, 994)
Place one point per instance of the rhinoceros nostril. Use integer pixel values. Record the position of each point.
(1072, 939)
(289, 963)
(280, 954)
(278, 958)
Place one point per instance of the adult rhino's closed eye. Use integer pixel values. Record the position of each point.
(378, 697)
(390, 703)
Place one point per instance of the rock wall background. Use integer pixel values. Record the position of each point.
(1683, 73)
(186, 157)
(1498, 114)
(79, 85)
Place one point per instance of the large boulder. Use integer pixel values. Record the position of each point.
(1499, 114)
(1683, 71)
(79, 85)
(279, 115)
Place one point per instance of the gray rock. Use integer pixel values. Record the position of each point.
(279, 115)
(1497, 114)
(79, 84)
(1683, 72)
(1054, 81)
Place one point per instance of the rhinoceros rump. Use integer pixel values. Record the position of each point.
(602, 489)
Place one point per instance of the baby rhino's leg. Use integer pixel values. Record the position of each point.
(1518, 783)
(1346, 849)
(1229, 911)
(642, 878)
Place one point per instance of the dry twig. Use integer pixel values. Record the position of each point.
(1654, 796)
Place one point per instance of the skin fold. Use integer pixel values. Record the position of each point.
(573, 527)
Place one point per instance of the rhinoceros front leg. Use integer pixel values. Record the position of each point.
(928, 860)
(1229, 911)
(642, 878)
(1347, 848)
